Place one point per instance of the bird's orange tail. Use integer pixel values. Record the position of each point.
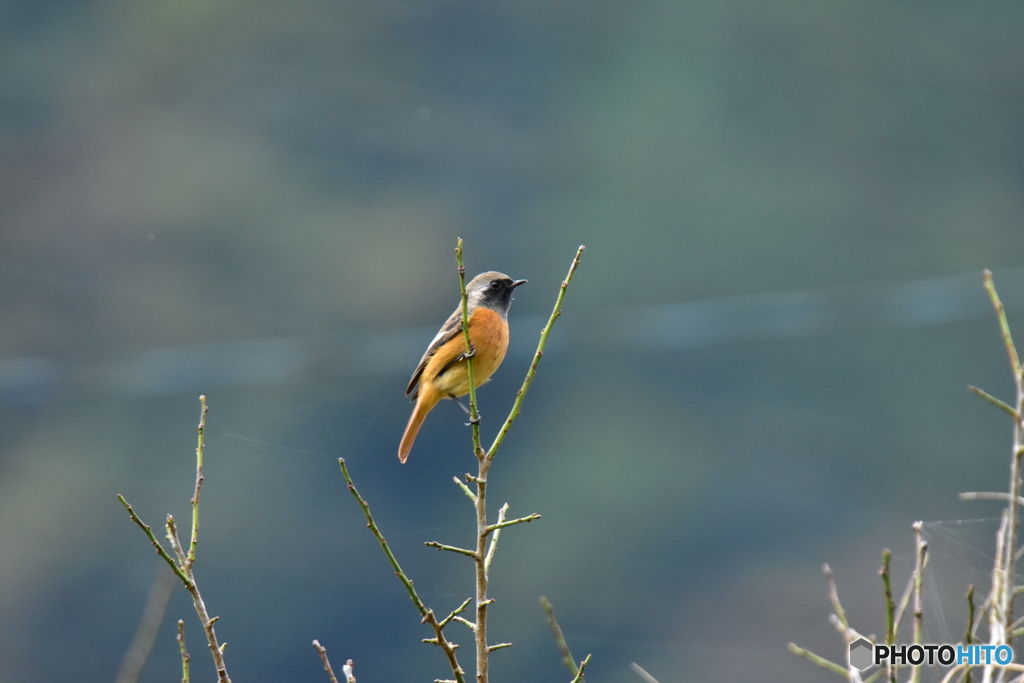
(428, 398)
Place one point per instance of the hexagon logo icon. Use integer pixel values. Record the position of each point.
(860, 654)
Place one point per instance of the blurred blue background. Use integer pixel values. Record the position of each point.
(761, 366)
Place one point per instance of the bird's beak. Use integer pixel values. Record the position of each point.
(516, 283)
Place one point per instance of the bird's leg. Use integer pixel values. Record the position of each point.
(466, 411)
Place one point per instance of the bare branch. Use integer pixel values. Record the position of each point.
(494, 539)
(648, 678)
(451, 548)
(521, 394)
(1004, 326)
(579, 674)
(200, 447)
(890, 606)
(465, 489)
(833, 595)
(184, 653)
(327, 664)
(467, 623)
(183, 568)
(458, 610)
(921, 563)
(152, 539)
(818, 659)
(994, 401)
(988, 495)
(428, 615)
(556, 630)
(474, 413)
(502, 525)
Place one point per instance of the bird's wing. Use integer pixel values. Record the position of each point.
(452, 326)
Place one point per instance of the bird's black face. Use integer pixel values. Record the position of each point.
(497, 293)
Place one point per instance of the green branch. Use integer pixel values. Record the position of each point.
(579, 674)
(450, 548)
(465, 489)
(199, 482)
(474, 413)
(184, 653)
(455, 612)
(428, 614)
(890, 606)
(152, 539)
(1004, 326)
(502, 525)
(521, 394)
(993, 400)
(556, 630)
(183, 567)
(818, 659)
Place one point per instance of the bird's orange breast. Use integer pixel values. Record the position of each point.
(488, 332)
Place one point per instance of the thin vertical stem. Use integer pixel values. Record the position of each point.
(199, 483)
(1006, 598)
(484, 459)
(327, 663)
(480, 503)
(556, 630)
(890, 605)
(969, 635)
(474, 412)
(183, 652)
(480, 559)
(921, 555)
(1004, 326)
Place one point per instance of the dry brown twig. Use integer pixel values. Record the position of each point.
(346, 668)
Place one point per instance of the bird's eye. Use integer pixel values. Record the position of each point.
(495, 284)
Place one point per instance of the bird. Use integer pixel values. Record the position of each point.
(441, 372)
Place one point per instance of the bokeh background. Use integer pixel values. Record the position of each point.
(761, 366)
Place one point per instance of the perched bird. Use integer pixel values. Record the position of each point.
(442, 370)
